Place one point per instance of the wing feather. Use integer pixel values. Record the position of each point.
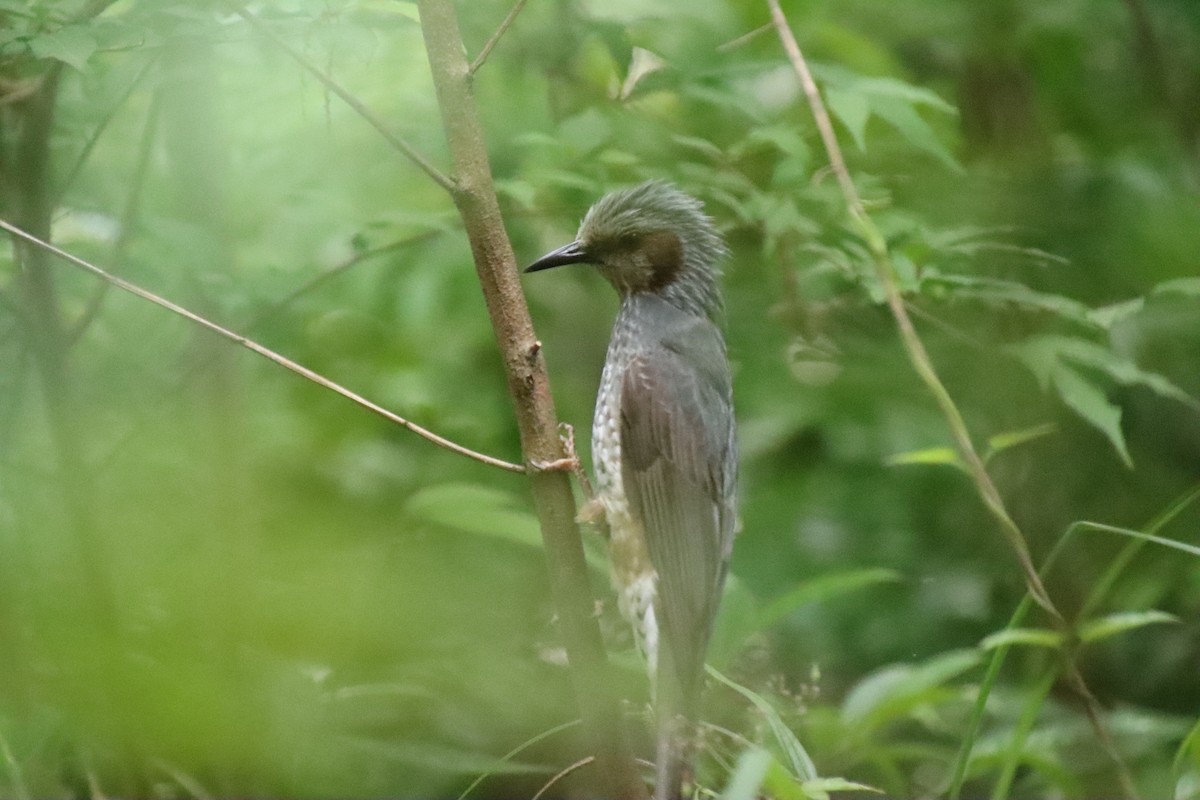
(678, 465)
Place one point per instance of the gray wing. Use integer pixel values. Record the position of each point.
(679, 471)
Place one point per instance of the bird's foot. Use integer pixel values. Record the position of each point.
(591, 513)
(568, 464)
(566, 434)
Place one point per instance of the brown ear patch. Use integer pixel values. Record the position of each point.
(664, 251)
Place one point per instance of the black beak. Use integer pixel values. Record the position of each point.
(572, 253)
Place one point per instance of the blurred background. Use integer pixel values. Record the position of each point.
(217, 579)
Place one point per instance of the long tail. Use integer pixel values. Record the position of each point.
(676, 712)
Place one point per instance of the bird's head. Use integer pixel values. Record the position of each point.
(649, 238)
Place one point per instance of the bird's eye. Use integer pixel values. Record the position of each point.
(629, 241)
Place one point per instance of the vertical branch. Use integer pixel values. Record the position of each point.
(47, 339)
(529, 389)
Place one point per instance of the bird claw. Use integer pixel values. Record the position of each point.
(591, 513)
(568, 464)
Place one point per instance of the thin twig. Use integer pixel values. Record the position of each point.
(111, 114)
(337, 269)
(580, 764)
(125, 231)
(923, 365)
(913, 345)
(254, 346)
(438, 177)
(491, 42)
(734, 44)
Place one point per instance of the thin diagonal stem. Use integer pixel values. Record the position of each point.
(438, 177)
(923, 365)
(495, 37)
(266, 353)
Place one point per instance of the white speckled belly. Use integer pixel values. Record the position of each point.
(633, 574)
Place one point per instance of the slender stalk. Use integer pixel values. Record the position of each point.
(923, 365)
(265, 352)
(495, 37)
(438, 177)
(529, 389)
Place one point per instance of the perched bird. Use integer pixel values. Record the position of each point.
(663, 440)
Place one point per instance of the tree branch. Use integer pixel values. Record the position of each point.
(439, 177)
(923, 365)
(495, 37)
(529, 389)
(266, 353)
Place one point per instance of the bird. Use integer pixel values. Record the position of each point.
(664, 447)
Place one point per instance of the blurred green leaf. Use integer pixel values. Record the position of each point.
(893, 692)
(1189, 287)
(821, 787)
(1090, 402)
(70, 44)
(1000, 442)
(797, 758)
(929, 455)
(851, 108)
(821, 589)
(476, 509)
(1022, 637)
(1113, 624)
(748, 775)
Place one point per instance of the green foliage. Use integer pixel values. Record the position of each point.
(310, 603)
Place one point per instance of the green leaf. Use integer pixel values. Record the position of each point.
(748, 775)
(1185, 286)
(851, 108)
(928, 455)
(1088, 353)
(913, 95)
(993, 291)
(70, 44)
(893, 692)
(822, 786)
(798, 759)
(702, 146)
(822, 588)
(586, 131)
(905, 119)
(1100, 527)
(1003, 441)
(18, 8)
(476, 509)
(1122, 621)
(1022, 637)
(521, 192)
(1089, 401)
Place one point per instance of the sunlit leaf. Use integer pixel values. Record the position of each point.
(1000, 442)
(929, 455)
(748, 775)
(1189, 287)
(1025, 637)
